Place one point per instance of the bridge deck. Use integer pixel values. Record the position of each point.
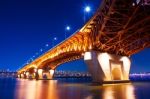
(119, 27)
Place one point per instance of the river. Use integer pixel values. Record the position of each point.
(11, 88)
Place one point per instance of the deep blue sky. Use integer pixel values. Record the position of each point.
(27, 25)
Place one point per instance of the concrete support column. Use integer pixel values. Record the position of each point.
(40, 74)
(19, 76)
(31, 75)
(35, 74)
(22, 75)
(27, 75)
(45, 74)
(51, 72)
(105, 67)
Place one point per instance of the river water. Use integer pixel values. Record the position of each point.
(56, 89)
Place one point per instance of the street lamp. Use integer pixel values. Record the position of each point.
(31, 59)
(41, 50)
(54, 39)
(67, 29)
(46, 45)
(87, 10)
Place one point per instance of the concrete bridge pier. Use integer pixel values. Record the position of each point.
(30, 75)
(27, 74)
(45, 74)
(19, 75)
(39, 74)
(51, 72)
(107, 68)
(22, 75)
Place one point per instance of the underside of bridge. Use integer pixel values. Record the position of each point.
(119, 29)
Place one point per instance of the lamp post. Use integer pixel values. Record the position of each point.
(46, 45)
(67, 29)
(87, 9)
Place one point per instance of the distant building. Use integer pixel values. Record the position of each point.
(71, 74)
(7, 73)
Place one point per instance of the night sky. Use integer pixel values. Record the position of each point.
(26, 26)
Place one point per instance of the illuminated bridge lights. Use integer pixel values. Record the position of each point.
(121, 29)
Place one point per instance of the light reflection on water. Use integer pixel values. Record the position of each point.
(32, 89)
(53, 89)
(125, 91)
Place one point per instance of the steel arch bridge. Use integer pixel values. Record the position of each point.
(120, 27)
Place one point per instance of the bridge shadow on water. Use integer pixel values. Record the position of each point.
(65, 89)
